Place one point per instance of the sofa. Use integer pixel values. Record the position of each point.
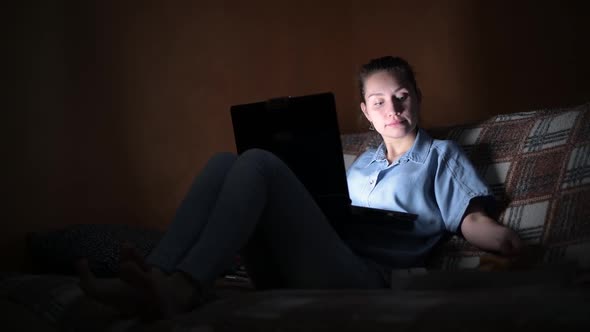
(536, 162)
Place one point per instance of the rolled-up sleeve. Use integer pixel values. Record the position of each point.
(457, 183)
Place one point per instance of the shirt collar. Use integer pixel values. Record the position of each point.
(417, 153)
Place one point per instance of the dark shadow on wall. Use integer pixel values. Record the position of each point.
(531, 54)
(68, 133)
(95, 180)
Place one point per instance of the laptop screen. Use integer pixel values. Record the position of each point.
(304, 133)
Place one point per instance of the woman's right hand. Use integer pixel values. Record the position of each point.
(510, 243)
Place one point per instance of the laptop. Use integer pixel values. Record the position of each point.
(303, 132)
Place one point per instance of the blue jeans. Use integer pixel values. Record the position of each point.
(255, 205)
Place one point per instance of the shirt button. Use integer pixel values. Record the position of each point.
(372, 181)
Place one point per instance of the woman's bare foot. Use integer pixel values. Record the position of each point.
(165, 296)
(112, 292)
(129, 253)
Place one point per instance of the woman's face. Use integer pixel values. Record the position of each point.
(392, 106)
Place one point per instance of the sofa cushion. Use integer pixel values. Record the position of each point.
(538, 165)
(51, 303)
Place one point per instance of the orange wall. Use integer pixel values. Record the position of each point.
(124, 101)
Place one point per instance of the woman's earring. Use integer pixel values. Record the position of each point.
(371, 127)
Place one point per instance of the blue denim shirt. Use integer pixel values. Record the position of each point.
(434, 180)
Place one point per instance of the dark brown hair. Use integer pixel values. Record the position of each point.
(397, 66)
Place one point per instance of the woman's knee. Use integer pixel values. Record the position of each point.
(262, 159)
(222, 160)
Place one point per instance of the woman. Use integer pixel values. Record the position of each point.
(412, 172)
(254, 204)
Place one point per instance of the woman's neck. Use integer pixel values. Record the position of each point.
(396, 147)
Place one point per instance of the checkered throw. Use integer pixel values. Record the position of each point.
(538, 166)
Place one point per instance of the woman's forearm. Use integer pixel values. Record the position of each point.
(486, 234)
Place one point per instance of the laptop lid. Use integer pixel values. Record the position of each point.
(302, 131)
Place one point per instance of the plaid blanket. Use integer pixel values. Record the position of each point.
(538, 165)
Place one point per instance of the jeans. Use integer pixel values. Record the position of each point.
(254, 205)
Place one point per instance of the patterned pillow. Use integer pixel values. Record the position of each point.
(55, 251)
(538, 165)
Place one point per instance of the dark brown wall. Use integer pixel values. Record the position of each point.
(124, 101)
